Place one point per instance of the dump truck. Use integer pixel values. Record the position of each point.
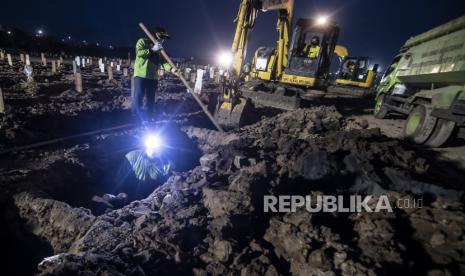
(426, 82)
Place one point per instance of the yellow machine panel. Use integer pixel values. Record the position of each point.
(298, 80)
(368, 83)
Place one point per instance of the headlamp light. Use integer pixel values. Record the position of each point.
(153, 144)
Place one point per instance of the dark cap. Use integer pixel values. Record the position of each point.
(161, 33)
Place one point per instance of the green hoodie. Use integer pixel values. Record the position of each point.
(147, 62)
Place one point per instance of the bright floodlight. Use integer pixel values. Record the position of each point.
(322, 20)
(8, 32)
(225, 59)
(153, 144)
(40, 32)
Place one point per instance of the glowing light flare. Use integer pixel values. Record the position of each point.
(153, 144)
(322, 20)
(225, 58)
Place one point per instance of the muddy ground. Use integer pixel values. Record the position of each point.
(207, 218)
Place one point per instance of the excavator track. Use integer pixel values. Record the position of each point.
(351, 91)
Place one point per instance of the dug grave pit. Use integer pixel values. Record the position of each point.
(74, 176)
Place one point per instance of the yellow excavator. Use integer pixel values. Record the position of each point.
(277, 75)
(353, 77)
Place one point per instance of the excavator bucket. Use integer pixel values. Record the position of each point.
(234, 115)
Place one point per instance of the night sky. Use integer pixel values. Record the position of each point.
(201, 27)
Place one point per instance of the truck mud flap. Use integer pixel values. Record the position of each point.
(458, 107)
(450, 115)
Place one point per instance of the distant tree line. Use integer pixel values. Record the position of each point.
(17, 41)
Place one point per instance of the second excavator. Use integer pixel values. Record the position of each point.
(354, 78)
(297, 67)
(278, 75)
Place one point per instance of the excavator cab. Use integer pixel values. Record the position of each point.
(354, 74)
(310, 53)
(263, 65)
(353, 68)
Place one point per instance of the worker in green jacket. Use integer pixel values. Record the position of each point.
(148, 59)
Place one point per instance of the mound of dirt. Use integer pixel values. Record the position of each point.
(211, 220)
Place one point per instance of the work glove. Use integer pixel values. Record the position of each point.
(157, 47)
(175, 71)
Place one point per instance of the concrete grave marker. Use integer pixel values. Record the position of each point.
(10, 61)
(110, 72)
(21, 57)
(2, 103)
(199, 80)
(187, 73)
(102, 67)
(193, 77)
(78, 82)
(44, 61)
(28, 71)
(125, 72)
(212, 73)
(28, 60)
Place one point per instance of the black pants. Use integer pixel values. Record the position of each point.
(144, 87)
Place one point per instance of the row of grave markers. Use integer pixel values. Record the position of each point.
(55, 64)
(195, 76)
(79, 62)
(25, 59)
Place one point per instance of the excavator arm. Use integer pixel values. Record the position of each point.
(245, 22)
(233, 109)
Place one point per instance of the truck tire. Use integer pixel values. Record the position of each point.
(442, 132)
(420, 124)
(380, 110)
